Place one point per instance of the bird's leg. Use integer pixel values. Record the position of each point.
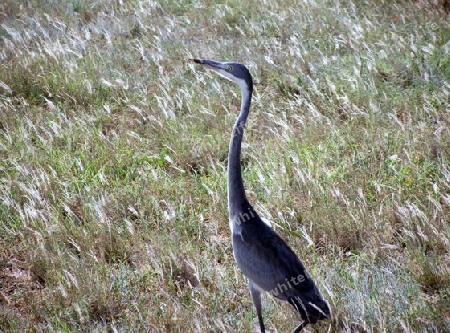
(256, 298)
(300, 327)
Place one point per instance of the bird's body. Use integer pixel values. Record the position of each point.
(271, 266)
(261, 254)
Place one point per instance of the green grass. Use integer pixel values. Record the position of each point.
(113, 151)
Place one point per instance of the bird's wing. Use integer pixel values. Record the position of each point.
(266, 259)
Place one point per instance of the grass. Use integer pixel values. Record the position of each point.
(113, 151)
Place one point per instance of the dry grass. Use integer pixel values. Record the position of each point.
(113, 151)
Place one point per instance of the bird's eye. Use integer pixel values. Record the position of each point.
(229, 68)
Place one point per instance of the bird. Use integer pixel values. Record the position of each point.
(260, 253)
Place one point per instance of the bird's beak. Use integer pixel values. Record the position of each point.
(208, 63)
(219, 67)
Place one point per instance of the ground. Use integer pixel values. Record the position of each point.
(113, 151)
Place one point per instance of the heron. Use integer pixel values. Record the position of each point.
(260, 253)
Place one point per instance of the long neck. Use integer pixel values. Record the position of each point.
(236, 191)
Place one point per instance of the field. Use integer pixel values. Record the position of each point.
(113, 153)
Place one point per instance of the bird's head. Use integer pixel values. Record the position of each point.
(233, 71)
